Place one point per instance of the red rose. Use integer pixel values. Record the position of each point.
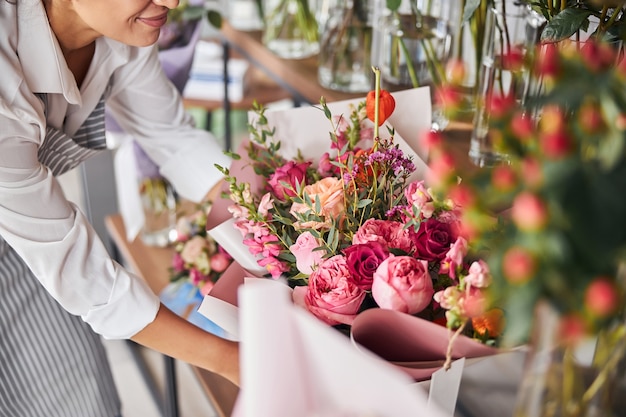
(363, 260)
(433, 240)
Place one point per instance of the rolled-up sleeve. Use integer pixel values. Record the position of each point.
(146, 104)
(55, 239)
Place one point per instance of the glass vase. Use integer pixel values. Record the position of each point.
(344, 62)
(159, 209)
(511, 33)
(290, 28)
(587, 379)
(414, 42)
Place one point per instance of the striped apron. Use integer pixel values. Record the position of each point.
(51, 363)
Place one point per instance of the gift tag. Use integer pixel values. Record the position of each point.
(444, 388)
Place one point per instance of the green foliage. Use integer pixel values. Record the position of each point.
(582, 187)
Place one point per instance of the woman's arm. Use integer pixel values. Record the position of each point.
(176, 337)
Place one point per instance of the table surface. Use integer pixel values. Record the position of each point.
(151, 264)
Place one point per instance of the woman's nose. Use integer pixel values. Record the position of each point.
(170, 4)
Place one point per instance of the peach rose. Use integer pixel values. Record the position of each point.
(329, 193)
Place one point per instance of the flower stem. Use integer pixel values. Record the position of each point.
(376, 102)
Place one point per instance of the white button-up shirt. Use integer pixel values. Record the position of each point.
(51, 234)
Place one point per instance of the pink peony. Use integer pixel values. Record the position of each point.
(331, 296)
(307, 258)
(283, 182)
(388, 233)
(402, 283)
(363, 260)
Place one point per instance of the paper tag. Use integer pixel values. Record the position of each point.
(444, 388)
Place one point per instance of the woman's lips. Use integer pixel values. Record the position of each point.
(156, 21)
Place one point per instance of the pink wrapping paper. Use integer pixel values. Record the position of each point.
(416, 346)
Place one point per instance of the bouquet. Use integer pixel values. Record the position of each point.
(355, 230)
(197, 259)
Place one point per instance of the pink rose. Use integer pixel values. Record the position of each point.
(331, 296)
(363, 260)
(307, 258)
(291, 174)
(433, 239)
(402, 283)
(328, 192)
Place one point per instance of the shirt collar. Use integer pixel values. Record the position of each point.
(43, 64)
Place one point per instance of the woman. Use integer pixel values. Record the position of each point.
(60, 61)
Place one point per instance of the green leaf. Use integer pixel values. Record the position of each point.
(215, 18)
(393, 5)
(363, 203)
(565, 24)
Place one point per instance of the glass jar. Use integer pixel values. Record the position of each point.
(344, 62)
(290, 28)
(511, 33)
(586, 379)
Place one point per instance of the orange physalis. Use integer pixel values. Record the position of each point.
(491, 323)
(386, 106)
